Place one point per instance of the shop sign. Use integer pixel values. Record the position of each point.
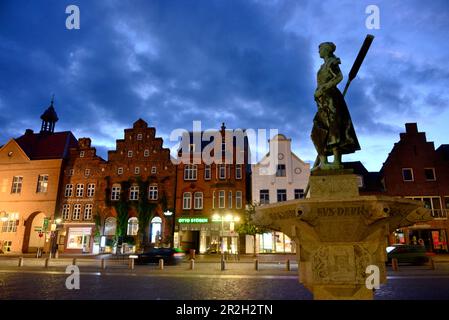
(193, 220)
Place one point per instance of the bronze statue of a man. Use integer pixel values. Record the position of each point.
(333, 132)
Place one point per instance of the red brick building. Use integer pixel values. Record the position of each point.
(211, 196)
(78, 205)
(137, 188)
(415, 170)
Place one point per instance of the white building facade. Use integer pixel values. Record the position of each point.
(279, 176)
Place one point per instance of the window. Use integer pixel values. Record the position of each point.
(134, 193)
(88, 211)
(10, 225)
(120, 170)
(66, 212)
(146, 153)
(71, 172)
(407, 174)
(213, 199)
(207, 172)
(76, 211)
(264, 196)
(238, 199)
(190, 171)
(152, 193)
(198, 200)
(299, 193)
(360, 181)
(280, 172)
(282, 195)
(156, 229)
(87, 172)
(115, 192)
(82, 154)
(90, 190)
(16, 184)
(429, 173)
(139, 136)
(133, 226)
(153, 170)
(221, 199)
(137, 170)
(222, 171)
(238, 171)
(230, 199)
(68, 192)
(187, 200)
(42, 183)
(79, 190)
(7, 246)
(130, 154)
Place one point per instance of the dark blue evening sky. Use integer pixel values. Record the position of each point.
(250, 64)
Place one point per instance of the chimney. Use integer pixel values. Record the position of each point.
(411, 127)
(29, 131)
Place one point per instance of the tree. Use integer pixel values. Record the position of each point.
(248, 227)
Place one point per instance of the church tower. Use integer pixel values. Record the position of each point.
(49, 118)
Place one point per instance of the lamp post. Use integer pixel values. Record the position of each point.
(169, 214)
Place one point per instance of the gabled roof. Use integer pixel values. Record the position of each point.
(47, 145)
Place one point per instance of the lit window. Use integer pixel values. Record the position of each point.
(187, 200)
(153, 170)
(16, 184)
(130, 154)
(153, 193)
(137, 170)
(115, 192)
(238, 199)
(90, 190)
(221, 199)
(429, 173)
(76, 211)
(133, 226)
(207, 172)
(134, 193)
(190, 171)
(264, 196)
(66, 212)
(42, 183)
(407, 174)
(79, 190)
(10, 225)
(198, 200)
(68, 190)
(120, 170)
(88, 211)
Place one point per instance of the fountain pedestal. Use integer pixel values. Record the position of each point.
(340, 233)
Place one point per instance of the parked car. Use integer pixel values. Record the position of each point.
(153, 255)
(413, 254)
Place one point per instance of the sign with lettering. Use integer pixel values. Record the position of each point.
(193, 220)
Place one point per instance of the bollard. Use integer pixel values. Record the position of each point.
(192, 264)
(288, 265)
(21, 262)
(47, 262)
(161, 264)
(57, 255)
(74, 261)
(394, 264)
(131, 264)
(256, 264)
(103, 263)
(222, 263)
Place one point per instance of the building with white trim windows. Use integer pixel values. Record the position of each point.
(287, 181)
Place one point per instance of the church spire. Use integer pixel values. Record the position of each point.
(49, 118)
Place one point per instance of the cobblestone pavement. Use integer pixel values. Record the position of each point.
(239, 281)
